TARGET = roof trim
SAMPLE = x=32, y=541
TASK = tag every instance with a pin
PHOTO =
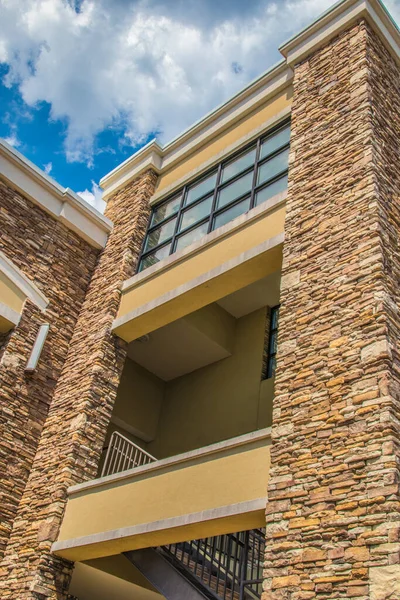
x=339, y=17
x=61, y=203
x=160, y=158
x=22, y=282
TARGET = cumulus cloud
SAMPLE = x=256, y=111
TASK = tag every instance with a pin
x=140, y=66
x=94, y=197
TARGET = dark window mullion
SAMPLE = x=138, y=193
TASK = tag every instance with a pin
x=273, y=154
x=253, y=187
x=214, y=202
x=178, y=219
x=232, y=203
x=270, y=180
x=190, y=227
x=161, y=224
x=156, y=248
x=236, y=177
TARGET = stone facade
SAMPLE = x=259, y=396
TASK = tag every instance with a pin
x=333, y=512
x=60, y=263
x=72, y=438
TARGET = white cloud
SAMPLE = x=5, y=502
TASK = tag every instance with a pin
x=13, y=140
x=94, y=197
x=48, y=168
x=135, y=68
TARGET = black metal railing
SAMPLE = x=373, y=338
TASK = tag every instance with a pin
x=228, y=566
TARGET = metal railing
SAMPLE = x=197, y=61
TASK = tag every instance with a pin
x=122, y=454
x=230, y=566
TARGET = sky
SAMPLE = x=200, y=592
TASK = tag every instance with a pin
x=85, y=83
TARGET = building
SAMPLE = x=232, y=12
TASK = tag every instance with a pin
x=154, y=442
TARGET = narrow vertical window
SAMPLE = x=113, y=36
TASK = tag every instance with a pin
x=272, y=344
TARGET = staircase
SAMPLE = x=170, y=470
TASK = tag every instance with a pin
x=227, y=567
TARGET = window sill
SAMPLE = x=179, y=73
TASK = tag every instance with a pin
x=215, y=236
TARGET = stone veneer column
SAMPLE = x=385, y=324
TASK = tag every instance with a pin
x=61, y=264
x=73, y=435
x=333, y=497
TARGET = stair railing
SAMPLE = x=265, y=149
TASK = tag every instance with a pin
x=123, y=454
x=230, y=566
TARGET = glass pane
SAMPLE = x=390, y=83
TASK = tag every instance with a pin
x=271, y=190
x=191, y=237
x=274, y=142
x=160, y=235
x=274, y=166
x=235, y=189
x=272, y=366
x=165, y=210
x=198, y=212
x=231, y=213
x=201, y=188
x=154, y=257
x=241, y=163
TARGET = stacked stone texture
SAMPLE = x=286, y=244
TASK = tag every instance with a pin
x=333, y=496
x=60, y=263
x=72, y=439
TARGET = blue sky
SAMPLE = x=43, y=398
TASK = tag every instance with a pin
x=84, y=83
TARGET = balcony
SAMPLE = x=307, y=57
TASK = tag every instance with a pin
x=206, y=492
x=187, y=452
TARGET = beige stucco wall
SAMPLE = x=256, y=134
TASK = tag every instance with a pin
x=204, y=483
x=267, y=225
x=140, y=396
x=219, y=401
x=229, y=136
x=10, y=294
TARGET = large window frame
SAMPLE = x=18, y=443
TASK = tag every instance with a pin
x=209, y=220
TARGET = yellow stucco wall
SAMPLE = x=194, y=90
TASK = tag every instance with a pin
x=140, y=396
x=214, y=403
x=267, y=226
x=205, y=483
x=10, y=294
x=219, y=401
x=229, y=136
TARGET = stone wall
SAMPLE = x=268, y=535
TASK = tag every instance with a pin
x=61, y=264
x=333, y=509
x=74, y=432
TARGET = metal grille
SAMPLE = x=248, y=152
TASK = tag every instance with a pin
x=230, y=566
x=122, y=454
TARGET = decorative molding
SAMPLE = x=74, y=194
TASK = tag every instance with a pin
x=330, y=24
x=161, y=158
x=179, y=459
x=221, y=512
x=37, y=347
x=62, y=203
x=338, y=18
x=208, y=240
x=22, y=282
x=9, y=315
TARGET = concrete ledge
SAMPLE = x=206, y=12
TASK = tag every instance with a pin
x=215, y=236
x=61, y=203
x=9, y=318
x=179, y=459
x=244, y=515
x=22, y=282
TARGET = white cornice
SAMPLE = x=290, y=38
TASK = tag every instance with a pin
x=160, y=158
x=341, y=16
x=61, y=203
x=338, y=18
x=22, y=282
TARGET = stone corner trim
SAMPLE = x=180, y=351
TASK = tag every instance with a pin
x=22, y=282
x=61, y=203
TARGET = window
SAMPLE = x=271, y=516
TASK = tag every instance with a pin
x=249, y=178
x=272, y=342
